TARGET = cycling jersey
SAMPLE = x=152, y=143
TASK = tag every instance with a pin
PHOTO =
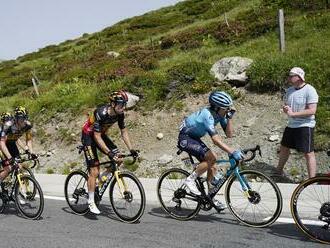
x=12, y=132
x=202, y=122
x=100, y=120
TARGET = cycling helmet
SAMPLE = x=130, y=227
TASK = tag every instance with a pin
x=220, y=99
x=119, y=97
x=20, y=112
x=6, y=116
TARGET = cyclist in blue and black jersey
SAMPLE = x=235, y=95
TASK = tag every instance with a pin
x=203, y=122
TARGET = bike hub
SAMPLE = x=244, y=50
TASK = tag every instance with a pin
x=180, y=193
x=128, y=196
x=325, y=210
x=255, y=197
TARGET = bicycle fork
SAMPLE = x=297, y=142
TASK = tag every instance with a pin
x=245, y=186
x=121, y=183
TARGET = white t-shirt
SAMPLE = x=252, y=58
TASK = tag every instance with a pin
x=298, y=99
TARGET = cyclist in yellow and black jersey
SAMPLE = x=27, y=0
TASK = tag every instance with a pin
x=11, y=129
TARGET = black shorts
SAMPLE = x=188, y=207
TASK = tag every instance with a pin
x=91, y=148
x=301, y=139
x=194, y=147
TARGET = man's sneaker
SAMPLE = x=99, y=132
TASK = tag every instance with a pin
x=190, y=183
x=93, y=208
x=21, y=202
x=219, y=205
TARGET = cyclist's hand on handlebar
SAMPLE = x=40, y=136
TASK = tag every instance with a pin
x=237, y=155
x=134, y=153
x=33, y=156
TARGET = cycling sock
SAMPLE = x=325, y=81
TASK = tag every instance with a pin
x=90, y=197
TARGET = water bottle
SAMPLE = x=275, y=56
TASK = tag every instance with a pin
x=218, y=178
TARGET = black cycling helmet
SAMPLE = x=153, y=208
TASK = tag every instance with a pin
x=6, y=116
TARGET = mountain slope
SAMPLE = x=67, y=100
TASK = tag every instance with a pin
x=175, y=44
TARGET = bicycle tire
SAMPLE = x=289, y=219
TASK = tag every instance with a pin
x=123, y=206
x=24, y=201
x=256, y=200
x=75, y=189
x=306, y=216
x=168, y=185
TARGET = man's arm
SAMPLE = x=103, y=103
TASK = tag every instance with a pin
x=308, y=111
x=126, y=139
x=217, y=141
x=101, y=142
x=229, y=128
x=4, y=148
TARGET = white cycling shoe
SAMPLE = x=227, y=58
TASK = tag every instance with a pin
x=93, y=208
x=190, y=183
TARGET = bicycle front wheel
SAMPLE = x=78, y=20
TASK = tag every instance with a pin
x=259, y=206
x=310, y=208
x=28, y=204
x=127, y=197
x=173, y=196
x=76, y=192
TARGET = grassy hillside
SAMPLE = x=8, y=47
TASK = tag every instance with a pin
x=178, y=43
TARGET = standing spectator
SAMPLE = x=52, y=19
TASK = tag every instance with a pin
x=300, y=106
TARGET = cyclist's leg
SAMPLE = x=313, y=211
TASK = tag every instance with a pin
x=198, y=149
x=93, y=170
x=14, y=152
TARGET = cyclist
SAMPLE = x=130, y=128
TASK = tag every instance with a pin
x=94, y=138
x=195, y=126
x=12, y=128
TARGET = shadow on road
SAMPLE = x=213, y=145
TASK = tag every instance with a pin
x=201, y=217
x=290, y=231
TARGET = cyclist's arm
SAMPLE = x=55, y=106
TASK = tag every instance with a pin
x=28, y=137
x=229, y=128
x=126, y=139
x=21, y=144
x=217, y=141
x=101, y=143
x=4, y=148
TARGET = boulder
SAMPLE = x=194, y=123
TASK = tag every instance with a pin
x=165, y=159
x=113, y=54
x=160, y=136
x=232, y=69
x=132, y=100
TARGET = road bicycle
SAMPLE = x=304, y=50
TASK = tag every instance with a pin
x=310, y=207
x=126, y=193
x=251, y=196
x=25, y=191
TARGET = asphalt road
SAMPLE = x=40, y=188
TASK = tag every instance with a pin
x=59, y=227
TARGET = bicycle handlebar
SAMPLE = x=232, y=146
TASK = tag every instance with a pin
x=253, y=151
x=22, y=160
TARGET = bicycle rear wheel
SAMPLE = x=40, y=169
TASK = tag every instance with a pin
x=310, y=208
x=172, y=195
x=261, y=206
x=29, y=205
x=127, y=197
x=76, y=192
